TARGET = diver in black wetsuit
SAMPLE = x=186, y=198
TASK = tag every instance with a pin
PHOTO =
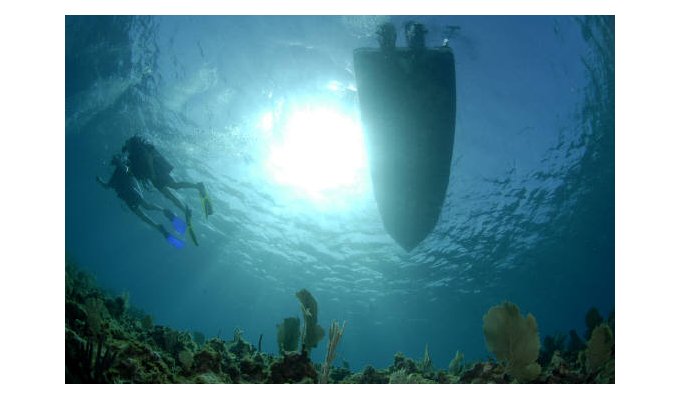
x=150, y=167
x=127, y=188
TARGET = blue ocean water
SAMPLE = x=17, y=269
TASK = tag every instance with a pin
x=264, y=111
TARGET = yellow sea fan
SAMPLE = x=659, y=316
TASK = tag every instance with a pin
x=600, y=346
x=513, y=339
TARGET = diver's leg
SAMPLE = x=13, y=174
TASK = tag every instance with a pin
x=188, y=185
x=145, y=218
x=155, y=207
x=205, y=200
x=187, y=212
x=150, y=206
x=171, y=196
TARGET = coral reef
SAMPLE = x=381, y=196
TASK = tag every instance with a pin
x=339, y=374
x=401, y=362
x=292, y=368
x=401, y=377
x=110, y=341
x=485, y=372
x=576, y=344
x=369, y=375
x=551, y=344
x=199, y=338
x=84, y=364
x=398, y=377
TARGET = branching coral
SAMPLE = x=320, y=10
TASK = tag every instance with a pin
x=88, y=361
x=456, y=364
x=398, y=377
x=334, y=335
x=426, y=363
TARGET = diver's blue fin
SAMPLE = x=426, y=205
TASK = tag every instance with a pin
x=179, y=225
x=175, y=242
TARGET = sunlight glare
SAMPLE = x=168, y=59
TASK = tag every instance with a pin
x=320, y=152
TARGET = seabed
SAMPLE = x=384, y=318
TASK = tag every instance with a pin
x=107, y=341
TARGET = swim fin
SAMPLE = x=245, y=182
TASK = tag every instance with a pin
x=192, y=235
x=206, y=203
x=190, y=228
x=177, y=223
x=175, y=242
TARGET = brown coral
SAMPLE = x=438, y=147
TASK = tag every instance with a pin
x=514, y=340
x=312, y=332
x=599, y=348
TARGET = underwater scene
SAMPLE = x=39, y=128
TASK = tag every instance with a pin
x=339, y=199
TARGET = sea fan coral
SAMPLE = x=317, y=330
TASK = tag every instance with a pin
x=288, y=334
x=312, y=332
x=514, y=340
x=600, y=347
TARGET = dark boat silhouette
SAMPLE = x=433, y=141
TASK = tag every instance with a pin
x=407, y=98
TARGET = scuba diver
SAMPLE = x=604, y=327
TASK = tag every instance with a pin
x=127, y=188
x=149, y=166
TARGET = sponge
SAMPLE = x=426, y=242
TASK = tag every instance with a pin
x=514, y=340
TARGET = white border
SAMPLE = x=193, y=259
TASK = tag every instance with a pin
x=334, y=7
x=33, y=175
